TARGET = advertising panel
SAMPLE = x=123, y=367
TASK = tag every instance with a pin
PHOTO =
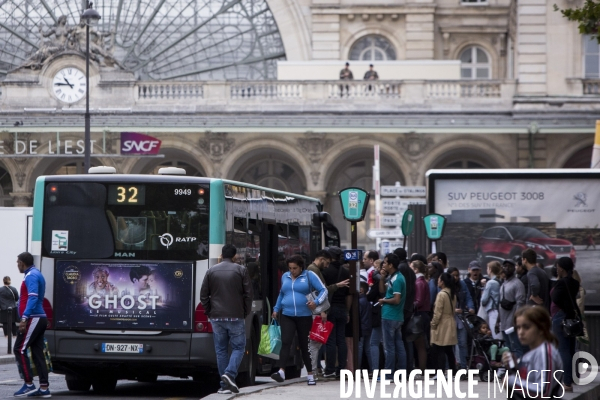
x=113, y=295
x=495, y=219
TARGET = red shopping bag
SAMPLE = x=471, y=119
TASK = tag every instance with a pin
x=320, y=331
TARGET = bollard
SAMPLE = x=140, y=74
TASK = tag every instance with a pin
x=10, y=322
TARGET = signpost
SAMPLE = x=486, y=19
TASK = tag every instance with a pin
x=408, y=224
x=354, y=206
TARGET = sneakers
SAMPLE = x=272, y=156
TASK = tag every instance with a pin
x=330, y=376
x=311, y=382
x=224, y=391
x=277, y=376
x=24, y=390
x=229, y=383
x=44, y=394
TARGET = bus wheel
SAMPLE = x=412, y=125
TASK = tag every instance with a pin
x=104, y=385
x=77, y=384
x=248, y=378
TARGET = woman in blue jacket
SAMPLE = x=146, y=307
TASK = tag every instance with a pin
x=295, y=312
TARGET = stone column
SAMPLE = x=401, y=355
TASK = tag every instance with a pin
x=21, y=199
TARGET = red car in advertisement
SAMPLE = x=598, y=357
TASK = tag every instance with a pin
x=502, y=242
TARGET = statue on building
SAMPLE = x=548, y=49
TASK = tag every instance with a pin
x=60, y=37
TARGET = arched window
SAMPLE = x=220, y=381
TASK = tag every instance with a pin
x=475, y=64
x=463, y=164
x=372, y=48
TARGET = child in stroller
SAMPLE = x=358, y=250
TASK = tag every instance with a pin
x=481, y=345
x=490, y=345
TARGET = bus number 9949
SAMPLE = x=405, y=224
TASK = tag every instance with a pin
x=183, y=192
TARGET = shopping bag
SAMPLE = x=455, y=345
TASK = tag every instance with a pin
x=320, y=331
x=270, y=340
x=29, y=359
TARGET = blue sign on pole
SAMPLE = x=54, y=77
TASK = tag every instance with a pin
x=353, y=255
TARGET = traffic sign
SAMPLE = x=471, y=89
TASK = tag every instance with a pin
x=417, y=191
x=390, y=220
x=408, y=223
x=384, y=233
x=402, y=203
x=352, y=255
x=354, y=203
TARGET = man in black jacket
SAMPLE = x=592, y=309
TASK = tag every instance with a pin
x=338, y=315
x=473, y=281
x=226, y=296
x=8, y=299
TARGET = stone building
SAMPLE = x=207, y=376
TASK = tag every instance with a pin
x=249, y=90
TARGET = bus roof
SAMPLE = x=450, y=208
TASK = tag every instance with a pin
x=163, y=178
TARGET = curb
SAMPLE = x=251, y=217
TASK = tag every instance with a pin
x=591, y=394
x=7, y=359
x=255, y=389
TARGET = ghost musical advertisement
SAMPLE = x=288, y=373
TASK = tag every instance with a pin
x=117, y=295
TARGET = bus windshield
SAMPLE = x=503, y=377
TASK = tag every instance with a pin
x=146, y=221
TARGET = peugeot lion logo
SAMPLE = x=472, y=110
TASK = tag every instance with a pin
x=581, y=198
x=166, y=239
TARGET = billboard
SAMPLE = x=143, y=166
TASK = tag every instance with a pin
x=497, y=217
x=121, y=295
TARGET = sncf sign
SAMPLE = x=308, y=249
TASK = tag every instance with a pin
x=138, y=143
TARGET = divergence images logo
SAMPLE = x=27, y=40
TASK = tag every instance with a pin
x=166, y=239
x=581, y=199
x=586, y=360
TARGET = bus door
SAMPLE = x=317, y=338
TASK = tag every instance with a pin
x=271, y=281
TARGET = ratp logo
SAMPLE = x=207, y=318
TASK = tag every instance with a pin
x=166, y=239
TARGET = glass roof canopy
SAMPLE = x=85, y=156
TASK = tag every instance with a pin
x=159, y=39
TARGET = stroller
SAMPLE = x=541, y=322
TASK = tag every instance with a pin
x=478, y=357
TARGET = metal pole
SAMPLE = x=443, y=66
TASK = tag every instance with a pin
x=354, y=289
x=86, y=163
x=377, y=188
x=10, y=323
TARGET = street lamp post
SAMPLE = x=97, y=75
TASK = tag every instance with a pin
x=91, y=17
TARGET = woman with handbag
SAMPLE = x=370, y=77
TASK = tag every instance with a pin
x=443, y=324
x=491, y=296
x=8, y=299
x=295, y=313
x=564, y=311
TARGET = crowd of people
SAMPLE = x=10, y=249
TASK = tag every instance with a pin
x=419, y=313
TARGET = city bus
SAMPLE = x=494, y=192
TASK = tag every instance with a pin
x=124, y=257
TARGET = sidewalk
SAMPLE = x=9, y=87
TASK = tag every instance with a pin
x=297, y=389
x=5, y=358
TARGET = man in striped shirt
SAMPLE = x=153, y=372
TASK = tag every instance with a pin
x=31, y=328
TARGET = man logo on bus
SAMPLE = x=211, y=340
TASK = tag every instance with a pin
x=166, y=239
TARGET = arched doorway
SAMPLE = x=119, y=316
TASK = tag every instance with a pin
x=6, y=187
x=173, y=158
x=357, y=170
x=272, y=171
x=581, y=159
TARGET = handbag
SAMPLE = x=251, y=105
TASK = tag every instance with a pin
x=573, y=327
x=506, y=304
x=270, y=338
x=414, y=328
x=312, y=296
x=319, y=332
x=29, y=360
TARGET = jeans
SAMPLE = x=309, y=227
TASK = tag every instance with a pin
x=376, y=339
x=512, y=342
x=395, y=354
x=463, y=349
x=366, y=338
x=227, y=333
x=338, y=316
x=566, y=347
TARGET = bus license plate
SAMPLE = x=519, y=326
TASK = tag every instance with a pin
x=122, y=348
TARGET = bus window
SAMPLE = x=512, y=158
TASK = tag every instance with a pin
x=253, y=258
x=75, y=224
